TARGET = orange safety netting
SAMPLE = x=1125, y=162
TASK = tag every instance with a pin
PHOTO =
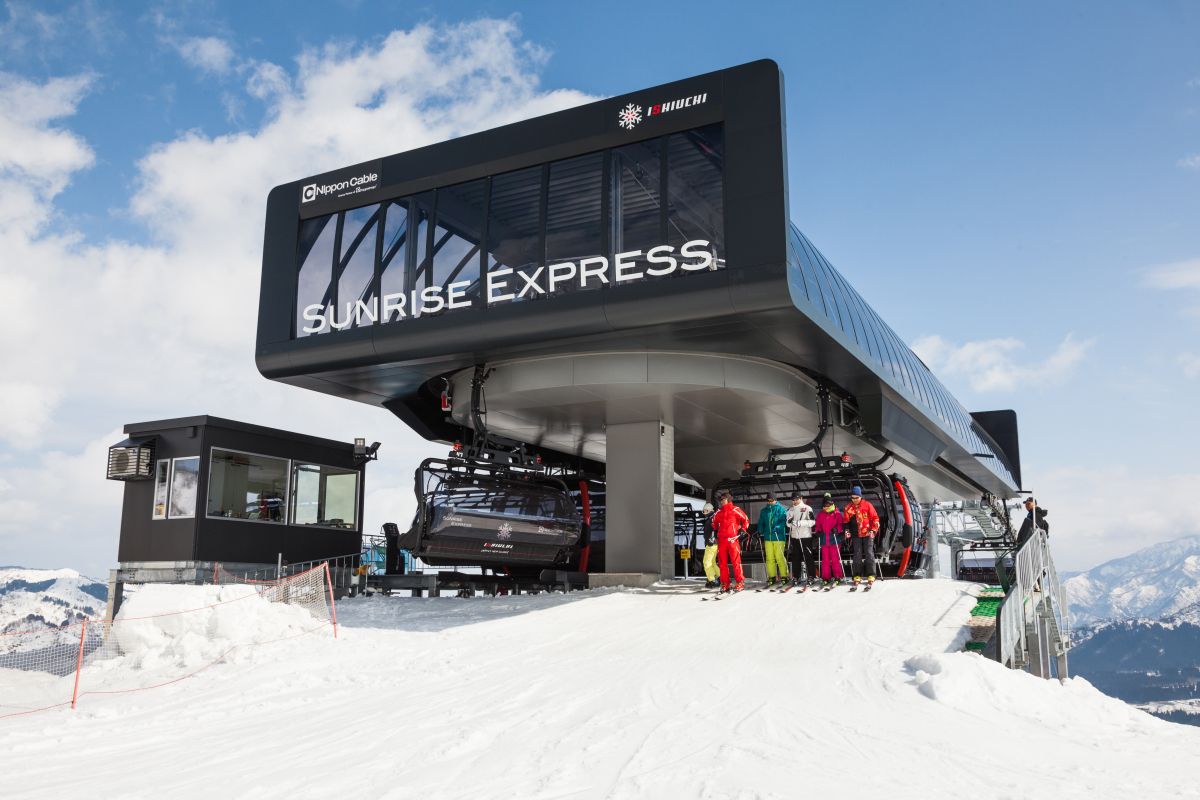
x=46, y=668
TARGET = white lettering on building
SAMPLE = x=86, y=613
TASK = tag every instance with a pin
x=506, y=285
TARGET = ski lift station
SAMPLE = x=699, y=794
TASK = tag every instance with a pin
x=609, y=296
x=594, y=311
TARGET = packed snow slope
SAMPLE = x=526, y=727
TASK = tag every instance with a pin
x=610, y=694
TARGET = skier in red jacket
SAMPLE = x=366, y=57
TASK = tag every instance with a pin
x=863, y=523
x=728, y=522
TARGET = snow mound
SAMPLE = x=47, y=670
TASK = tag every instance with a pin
x=163, y=627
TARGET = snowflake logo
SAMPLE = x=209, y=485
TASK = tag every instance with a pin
x=629, y=116
x=505, y=531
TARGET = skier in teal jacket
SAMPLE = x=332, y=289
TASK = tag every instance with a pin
x=772, y=527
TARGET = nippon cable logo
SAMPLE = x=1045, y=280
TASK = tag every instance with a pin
x=359, y=183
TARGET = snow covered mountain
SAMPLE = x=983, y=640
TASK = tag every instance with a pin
x=34, y=598
x=1152, y=583
x=599, y=694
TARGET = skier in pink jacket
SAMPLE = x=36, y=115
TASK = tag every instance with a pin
x=829, y=535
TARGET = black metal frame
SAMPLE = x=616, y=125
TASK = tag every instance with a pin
x=813, y=476
x=438, y=478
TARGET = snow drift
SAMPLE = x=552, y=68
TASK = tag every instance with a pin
x=621, y=694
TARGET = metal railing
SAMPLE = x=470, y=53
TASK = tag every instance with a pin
x=1032, y=621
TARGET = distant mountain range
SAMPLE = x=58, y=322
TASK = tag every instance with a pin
x=47, y=598
x=1153, y=583
x=1137, y=628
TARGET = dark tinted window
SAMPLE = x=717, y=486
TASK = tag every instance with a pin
x=395, y=250
x=457, y=234
x=316, y=266
x=574, y=212
x=695, y=196
x=515, y=229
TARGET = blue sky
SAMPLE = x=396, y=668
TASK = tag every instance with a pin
x=1015, y=187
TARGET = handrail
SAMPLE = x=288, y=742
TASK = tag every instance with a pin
x=1034, y=608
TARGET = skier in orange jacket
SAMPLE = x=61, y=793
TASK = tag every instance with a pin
x=728, y=522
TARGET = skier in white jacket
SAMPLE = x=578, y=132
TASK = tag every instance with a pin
x=803, y=544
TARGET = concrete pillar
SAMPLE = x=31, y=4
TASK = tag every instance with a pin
x=640, y=499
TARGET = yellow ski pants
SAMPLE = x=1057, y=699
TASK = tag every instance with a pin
x=776, y=563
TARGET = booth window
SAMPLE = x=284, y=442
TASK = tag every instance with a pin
x=247, y=486
x=324, y=496
x=185, y=478
x=574, y=210
x=162, y=473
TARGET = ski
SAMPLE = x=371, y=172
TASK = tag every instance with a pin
x=867, y=588
x=854, y=587
x=788, y=588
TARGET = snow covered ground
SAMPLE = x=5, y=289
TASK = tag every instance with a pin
x=610, y=694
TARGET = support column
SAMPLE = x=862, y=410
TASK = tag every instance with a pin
x=640, y=499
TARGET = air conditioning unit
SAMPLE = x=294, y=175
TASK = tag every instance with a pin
x=131, y=460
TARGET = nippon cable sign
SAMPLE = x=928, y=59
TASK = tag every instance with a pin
x=508, y=285
x=339, y=186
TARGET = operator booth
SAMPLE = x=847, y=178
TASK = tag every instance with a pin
x=204, y=490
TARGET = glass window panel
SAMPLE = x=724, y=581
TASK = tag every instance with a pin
x=324, y=496
x=637, y=199
x=514, y=229
x=794, y=262
x=162, y=472
x=810, y=279
x=832, y=300
x=822, y=286
x=247, y=486
x=357, y=260
x=316, y=266
x=184, y=482
x=574, y=216
x=421, y=208
x=395, y=250
x=457, y=235
x=849, y=298
x=695, y=187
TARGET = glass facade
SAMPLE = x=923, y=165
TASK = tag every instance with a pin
x=247, y=486
x=518, y=236
x=325, y=496
x=185, y=474
x=839, y=305
x=162, y=474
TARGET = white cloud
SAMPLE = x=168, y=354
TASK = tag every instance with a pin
x=990, y=365
x=208, y=54
x=1190, y=364
x=1176, y=275
x=102, y=333
x=1189, y=162
x=1105, y=512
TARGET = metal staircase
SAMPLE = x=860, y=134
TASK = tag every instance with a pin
x=1032, y=628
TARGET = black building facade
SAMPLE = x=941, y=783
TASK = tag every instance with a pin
x=628, y=261
x=216, y=490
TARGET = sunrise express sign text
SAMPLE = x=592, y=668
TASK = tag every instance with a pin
x=505, y=285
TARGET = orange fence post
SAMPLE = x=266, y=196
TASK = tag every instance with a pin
x=332, y=607
x=79, y=662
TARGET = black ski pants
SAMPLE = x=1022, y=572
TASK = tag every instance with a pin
x=803, y=555
x=863, y=550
